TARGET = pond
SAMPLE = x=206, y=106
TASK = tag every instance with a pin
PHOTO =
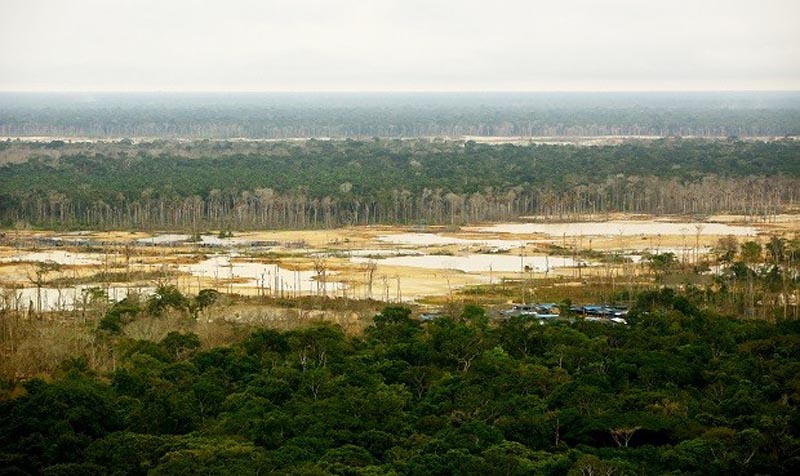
x=621, y=228
x=478, y=263
x=61, y=299
x=432, y=239
x=206, y=240
x=56, y=256
x=260, y=275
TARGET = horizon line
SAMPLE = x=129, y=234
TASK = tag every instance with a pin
x=383, y=91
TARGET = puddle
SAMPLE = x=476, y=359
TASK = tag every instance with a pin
x=210, y=240
x=478, y=263
x=73, y=237
x=685, y=255
x=163, y=239
x=379, y=253
x=207, y=240
x=260, y=275
x=621, y=228
x=60, y=299
x=432, y=239
x=57, y=256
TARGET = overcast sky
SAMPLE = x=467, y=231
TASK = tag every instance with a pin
x=405, y=45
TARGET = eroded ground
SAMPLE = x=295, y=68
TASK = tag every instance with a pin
x=49, y=270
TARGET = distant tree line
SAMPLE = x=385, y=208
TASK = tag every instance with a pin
x=281, y=121
x=331, y=183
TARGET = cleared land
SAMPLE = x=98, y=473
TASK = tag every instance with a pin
x=409, y=264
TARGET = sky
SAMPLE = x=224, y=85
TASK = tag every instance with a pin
x=399, y=45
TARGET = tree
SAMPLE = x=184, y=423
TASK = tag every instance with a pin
x=166, y=296
x=460, y=342
x=121, y=313
x=663, y=263
x=726, y=248
x=589, y=465
x=751, y=252
x=204, y=299
x=394, y=324
x=41, y=270
x=180, y=345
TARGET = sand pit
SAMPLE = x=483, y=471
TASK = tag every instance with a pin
x=395, y=262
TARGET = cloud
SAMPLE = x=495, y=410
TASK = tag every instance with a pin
x=399, y=45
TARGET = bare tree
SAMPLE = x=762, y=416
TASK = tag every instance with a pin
x=38, y=279
x=372, y=266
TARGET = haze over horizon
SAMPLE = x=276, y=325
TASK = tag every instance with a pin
x=411, y=45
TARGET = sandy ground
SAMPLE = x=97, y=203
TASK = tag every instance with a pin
x=306, y=250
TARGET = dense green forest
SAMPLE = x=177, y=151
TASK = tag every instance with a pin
x=363, y=115
x=679, y=391
x=241, y=185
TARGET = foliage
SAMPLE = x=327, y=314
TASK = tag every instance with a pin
x=341, y=115
x=120, y=313
x=325, y=183
x=680, y=391
x=166, y=297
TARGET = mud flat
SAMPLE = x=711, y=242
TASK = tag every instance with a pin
x=481, y=263
x=622, y=228
x=48, y=299
x=382, y=262
x=55, y=256
x=270, y=278
x=435, y=239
